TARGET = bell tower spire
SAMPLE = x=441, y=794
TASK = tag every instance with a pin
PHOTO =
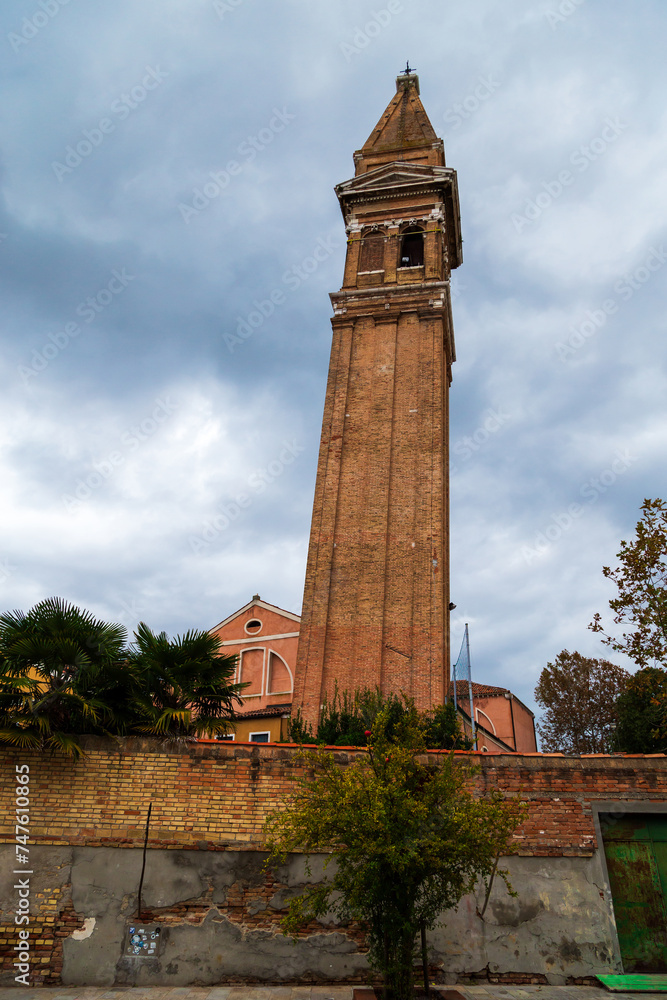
x=403, y=132
x=376, y=598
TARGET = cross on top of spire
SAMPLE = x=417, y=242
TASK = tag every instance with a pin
x=407, y=69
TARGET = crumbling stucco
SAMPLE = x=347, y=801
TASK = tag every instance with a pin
x=222, y=919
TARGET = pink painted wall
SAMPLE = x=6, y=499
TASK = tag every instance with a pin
x=495, y=713
x=266, y=654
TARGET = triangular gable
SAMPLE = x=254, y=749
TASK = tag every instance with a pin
x=258, y=603
x=395, y=174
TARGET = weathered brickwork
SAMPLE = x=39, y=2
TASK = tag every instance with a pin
x=211, y=800
x=376, y=596
x=205, y=795
x=216, y=796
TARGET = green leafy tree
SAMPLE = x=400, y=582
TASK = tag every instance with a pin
x=442, y=729
x=348, y=718
x=579, y=695
x=408, y=837
x=60, y=675
x=184, y=685
x=641, y=579
x=298, y=730
x=343, y=721
x=642, y=713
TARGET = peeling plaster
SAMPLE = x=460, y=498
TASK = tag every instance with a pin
x=561, y=924
x=86, y=930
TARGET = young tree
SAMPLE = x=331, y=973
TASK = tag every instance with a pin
x=409, y=839
x=642, y=713
x=580, y=695
x=58, y=665
x=641, y=580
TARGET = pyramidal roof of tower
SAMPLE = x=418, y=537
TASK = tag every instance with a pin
x=404, y=125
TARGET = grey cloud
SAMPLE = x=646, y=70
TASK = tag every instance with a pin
x=550, y=87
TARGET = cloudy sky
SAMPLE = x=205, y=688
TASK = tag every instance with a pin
x=167, y=167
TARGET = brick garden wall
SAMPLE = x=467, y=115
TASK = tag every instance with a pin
x=213, y=797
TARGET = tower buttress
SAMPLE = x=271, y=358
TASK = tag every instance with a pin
x=376, y=597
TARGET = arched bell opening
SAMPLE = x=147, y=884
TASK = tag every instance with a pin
x=412, y=248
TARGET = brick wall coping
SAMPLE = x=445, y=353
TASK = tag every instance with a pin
x=129, y=745
x=457, y=753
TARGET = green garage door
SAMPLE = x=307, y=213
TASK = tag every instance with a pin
x=635, y=846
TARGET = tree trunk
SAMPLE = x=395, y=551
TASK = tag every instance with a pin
x=422, y=927
x=398, y=975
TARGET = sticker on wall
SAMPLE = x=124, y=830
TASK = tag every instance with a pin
x=142, y=941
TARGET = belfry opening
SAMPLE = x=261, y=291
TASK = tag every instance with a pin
x=412, y=247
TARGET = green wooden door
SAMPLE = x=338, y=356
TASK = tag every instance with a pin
x=635, y=846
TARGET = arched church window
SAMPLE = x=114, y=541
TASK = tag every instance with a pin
x=279, y=675
x=251, y=671
x=372, y=250
x=412, y=248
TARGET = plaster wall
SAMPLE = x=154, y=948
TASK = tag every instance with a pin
x=219, y=914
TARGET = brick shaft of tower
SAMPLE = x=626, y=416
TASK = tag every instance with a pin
x=376, y=597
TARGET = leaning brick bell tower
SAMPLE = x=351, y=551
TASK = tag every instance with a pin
x=376, y=597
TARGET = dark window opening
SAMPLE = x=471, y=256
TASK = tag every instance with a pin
x=412, y=248
x=259, y=737
x=254, y=625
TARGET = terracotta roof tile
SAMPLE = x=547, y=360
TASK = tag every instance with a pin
x=269, y=711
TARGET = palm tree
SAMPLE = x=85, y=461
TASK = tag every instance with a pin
x=186, y=685
x=61, y=674
x=64, y=673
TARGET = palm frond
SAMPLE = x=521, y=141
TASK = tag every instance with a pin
x=65, y=743
x=26, y=739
